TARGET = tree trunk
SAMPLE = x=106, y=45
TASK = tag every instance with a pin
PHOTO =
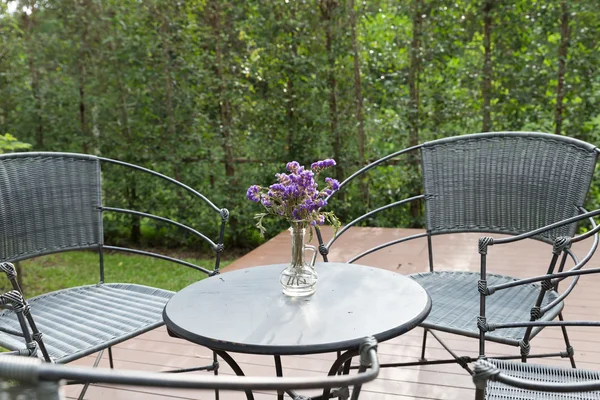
x=81, y=71
x=135, y=234
x=35, y=77
x=327, y=10
x=293, y=149
x=122, y=95
x=358, y=101
x=118, y=73
x=224, y=104
x=562, y=60
x=413, y=116
x=171, y=129
x=486, y=84
x=82, y=110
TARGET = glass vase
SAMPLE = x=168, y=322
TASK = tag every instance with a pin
x=299, y=278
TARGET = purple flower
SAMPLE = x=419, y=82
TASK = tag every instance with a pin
x=296, y=195
x=253, y=193
x=319, y=165
x=320, y=203
x=265, y=201
x=292, y=166
x=296, y=215
x=291, y=191
x=330, y=162
x=333, y=183
x=283, y=179
x=320, y=220
x=277, y=187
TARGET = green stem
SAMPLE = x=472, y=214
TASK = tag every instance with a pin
x=298, y=231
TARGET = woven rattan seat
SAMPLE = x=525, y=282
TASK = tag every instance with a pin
x=539, y=373
x=456, y=310
x=79, y=321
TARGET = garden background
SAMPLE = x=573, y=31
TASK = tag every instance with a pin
x=221, y=94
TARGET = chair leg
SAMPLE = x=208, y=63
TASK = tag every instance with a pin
x=424, y=345
x=87, y=384
x=479, y=394
x=462, y=361
x=567, y=342
x=110, y=358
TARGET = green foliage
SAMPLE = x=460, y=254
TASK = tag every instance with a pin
x=221, y=94
x=9, y=143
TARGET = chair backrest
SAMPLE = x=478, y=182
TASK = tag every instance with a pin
x=52, y=202
x=500, y=182
x=48, y=203
x=505, y=182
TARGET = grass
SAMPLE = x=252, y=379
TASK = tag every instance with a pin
x=63, y=270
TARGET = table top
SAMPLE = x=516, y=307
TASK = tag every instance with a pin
x=245, y=311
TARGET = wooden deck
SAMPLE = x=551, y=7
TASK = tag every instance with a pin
x=156, y=351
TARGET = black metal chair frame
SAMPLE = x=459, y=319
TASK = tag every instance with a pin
x=432, y=153
x=33, y=373
x=52, y=202
x=535, y=381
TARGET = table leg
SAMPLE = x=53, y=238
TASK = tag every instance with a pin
x=235, y=367
x=357, y=388
x=347, y=365
x=279, y=372
x=216, y=372
x=337, y=365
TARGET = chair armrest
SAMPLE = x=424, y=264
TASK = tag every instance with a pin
x=546, y=228
x=560, y=244
x=547, y=277
x=533, y=324
x=31, y=370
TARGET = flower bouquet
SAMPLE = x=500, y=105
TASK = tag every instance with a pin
x=297, y=198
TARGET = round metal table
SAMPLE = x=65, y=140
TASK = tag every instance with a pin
x=244, y=311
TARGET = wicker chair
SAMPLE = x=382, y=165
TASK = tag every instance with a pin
x=521, y=381
x=503, y=182
x=32, y=380
x=52, y=202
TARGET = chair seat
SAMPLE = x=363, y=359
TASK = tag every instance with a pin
x=455, y=304
x=79, y=321
x=539, y=373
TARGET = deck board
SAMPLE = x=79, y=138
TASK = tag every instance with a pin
x=157, y=351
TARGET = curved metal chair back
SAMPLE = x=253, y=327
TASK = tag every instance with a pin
x=52, y=202
x=499, y=182
x=48, y=204
x=505, y=182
